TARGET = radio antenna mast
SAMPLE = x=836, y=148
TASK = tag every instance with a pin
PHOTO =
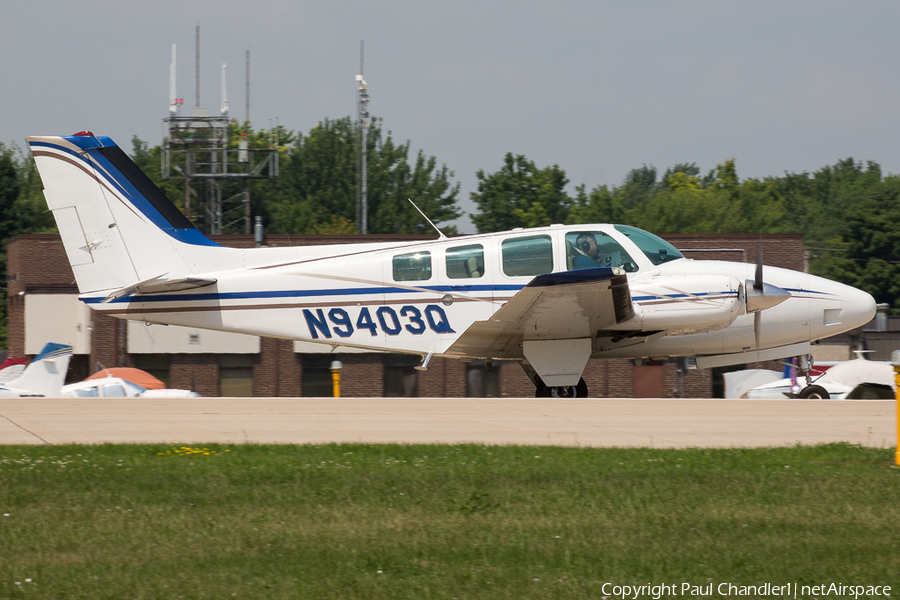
x=224, y=111
x=197, y=68
x=362, y=117
x=247, y=91
x=173, y=100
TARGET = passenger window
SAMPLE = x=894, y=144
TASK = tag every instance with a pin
x=113, y=390
x=592, y=249
x=531, y=255
x=465, y=262
x=412, y=267
x=91, y=392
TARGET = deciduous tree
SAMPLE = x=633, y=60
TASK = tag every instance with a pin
x=520, y=195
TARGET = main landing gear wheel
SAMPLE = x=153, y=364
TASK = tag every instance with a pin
x=576, y=391
x=813, y=392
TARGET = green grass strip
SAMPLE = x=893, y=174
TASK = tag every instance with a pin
x=435, y=521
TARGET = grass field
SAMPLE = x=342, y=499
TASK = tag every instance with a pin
x=421, y=521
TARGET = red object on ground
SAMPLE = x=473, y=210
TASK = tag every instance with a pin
x=142, y=378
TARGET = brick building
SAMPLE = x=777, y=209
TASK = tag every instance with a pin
x=42, y=306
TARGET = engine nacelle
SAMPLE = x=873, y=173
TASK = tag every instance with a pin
x=663, y=303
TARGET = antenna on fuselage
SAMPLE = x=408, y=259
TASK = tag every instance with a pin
x=440, y=233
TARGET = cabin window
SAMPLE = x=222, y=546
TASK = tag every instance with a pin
x=412, y=267
x=531, y=255
x=465, y=262
x=592, y=249
x=657, y=250
x=114, y=390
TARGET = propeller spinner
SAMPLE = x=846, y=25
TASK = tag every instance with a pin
x=760, y=295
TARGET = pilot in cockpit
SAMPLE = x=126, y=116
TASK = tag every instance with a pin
x=586, y=252
x=592, y=249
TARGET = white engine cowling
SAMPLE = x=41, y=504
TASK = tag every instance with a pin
x=685, y=304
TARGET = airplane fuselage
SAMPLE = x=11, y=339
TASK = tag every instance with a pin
x=420, y=296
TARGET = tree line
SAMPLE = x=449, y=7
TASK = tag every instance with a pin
x=847, y=212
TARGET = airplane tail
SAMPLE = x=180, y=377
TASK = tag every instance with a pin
x=119, y=230
x=46, y=374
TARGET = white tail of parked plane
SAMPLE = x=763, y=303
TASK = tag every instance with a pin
x=44, y=376
x=548, y=297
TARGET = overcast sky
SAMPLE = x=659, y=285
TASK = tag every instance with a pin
x=596, y=87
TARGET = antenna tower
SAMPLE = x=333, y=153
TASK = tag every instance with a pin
x=247, y=90
x=197, y=65
x=362, y=118
x=216, y=169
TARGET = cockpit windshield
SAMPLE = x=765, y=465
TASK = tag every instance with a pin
x=657, y=250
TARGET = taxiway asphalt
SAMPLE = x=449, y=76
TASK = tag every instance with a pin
x=674, y=423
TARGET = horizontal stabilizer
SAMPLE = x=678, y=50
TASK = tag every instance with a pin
x=157, y=285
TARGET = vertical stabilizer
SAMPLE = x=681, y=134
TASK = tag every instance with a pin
x=46, y=374
x=117, y=227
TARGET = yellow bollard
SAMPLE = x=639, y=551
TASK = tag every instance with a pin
x=895, y=362
x=336, y=377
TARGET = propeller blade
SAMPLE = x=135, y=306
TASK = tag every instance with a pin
x=758, y=282
x=757, y=323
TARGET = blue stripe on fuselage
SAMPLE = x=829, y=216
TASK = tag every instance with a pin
x=302, y=293
x=267, y=295
x=800, y=291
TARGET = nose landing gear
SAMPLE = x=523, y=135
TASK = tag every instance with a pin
x=810, y=391
x=813, y=392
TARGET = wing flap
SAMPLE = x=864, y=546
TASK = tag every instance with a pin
x=555, y=306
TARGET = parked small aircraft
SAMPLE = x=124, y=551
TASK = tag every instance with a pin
x=44, y=376
x=117, y=387
x=516, y=295
x=857, y=379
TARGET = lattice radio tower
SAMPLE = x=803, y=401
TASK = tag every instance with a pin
x=216, y=169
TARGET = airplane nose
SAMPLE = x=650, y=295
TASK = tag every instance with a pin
x=839, y=308
x=858, y=309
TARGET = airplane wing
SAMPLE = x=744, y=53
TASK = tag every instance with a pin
x=555, y=306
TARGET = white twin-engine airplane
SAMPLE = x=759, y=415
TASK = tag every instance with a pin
x=550, y=297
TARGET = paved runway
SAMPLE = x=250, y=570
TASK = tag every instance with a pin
x=584, y=422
